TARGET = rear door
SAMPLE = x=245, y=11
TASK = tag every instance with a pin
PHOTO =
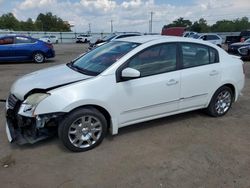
x=200, y=74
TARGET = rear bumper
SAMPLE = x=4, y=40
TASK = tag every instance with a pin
x=50, y=53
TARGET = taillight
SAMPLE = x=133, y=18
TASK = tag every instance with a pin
x=49, y=45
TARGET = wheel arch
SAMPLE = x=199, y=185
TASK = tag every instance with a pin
x=232, y=87
x=110, y=122
x=227, y=84
x=38, y=51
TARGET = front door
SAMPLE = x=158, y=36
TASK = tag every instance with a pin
x=156, y=92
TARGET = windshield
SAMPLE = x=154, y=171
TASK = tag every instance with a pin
x=196, y=36
x=99, y=59
x=247, y=41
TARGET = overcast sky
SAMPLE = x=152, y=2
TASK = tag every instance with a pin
x=127, y=15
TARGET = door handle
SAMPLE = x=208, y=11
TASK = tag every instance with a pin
x=213, y=73
x=172, y=82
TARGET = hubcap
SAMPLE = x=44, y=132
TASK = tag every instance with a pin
x=85, y=131
x=39, y=58
x=223, y=102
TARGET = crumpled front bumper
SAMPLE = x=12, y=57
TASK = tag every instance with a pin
x=28, y=130
x=27, y=133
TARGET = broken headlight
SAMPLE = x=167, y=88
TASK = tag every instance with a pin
x=29, y=105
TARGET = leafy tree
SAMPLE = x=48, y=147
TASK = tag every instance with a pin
x=231, y=25
x=180, y=22
x=200, y=26
x=44, y=22
x=28, y=25
x=8, y=21
x=50, y=22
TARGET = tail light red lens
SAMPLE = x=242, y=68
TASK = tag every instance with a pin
x=49, y=45
x=242, y=39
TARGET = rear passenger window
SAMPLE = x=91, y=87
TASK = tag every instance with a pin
x=23, y=40
x=214, y=58
x=6, y=41
x=196, y=55
x=212, y=37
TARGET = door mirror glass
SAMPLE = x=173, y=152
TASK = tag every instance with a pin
x=129, y=73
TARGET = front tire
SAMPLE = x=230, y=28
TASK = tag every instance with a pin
x=83, y=129
x=38, y=57
x=221, y=102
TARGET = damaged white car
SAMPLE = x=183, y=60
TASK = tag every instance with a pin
x=120, y=83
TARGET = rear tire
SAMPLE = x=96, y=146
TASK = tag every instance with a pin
x=221, y=102
x=83, y=129
x=38, y=57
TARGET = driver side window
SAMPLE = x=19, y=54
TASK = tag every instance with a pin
x=155, y=60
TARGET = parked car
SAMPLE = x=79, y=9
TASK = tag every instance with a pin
x=83, y=38
x=112, y=37
x=244, y=52
x=244, y=35
x=23, y=48
x=49, y=39
x=120, y=83
x=173, y=31
x=189, y=34
x=210, y=37
x=240, y=48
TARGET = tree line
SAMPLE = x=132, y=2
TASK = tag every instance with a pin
x=201, y=26
x=43, y=22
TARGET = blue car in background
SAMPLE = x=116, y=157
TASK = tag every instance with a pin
x=23, y=48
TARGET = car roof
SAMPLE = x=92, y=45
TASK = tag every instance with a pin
x=15, y=35
x=209, y=34
x=141, y=39
x=162, y=38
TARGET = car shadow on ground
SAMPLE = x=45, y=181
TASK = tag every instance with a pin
x=27, y=62
x=166, y=121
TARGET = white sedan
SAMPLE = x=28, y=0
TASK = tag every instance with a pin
x=121, y=83
x=210, y=37
x=49, y=39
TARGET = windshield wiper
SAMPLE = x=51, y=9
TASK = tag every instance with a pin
x=81, y=70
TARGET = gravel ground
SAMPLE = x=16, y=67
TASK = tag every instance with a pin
x=186, y=150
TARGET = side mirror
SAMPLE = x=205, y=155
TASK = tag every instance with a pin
x=129, y=73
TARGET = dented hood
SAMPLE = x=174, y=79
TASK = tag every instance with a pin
x=45, y=79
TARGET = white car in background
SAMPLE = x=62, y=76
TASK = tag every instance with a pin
x=83, y=38
x=111, y=37
x=49, y=39
x=120, y=83
x=210, y=37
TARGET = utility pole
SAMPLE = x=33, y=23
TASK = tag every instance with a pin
x=111, y=26
x=89, y=27
x=151, y=22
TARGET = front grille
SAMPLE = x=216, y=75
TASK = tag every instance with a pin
x=12, y=102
